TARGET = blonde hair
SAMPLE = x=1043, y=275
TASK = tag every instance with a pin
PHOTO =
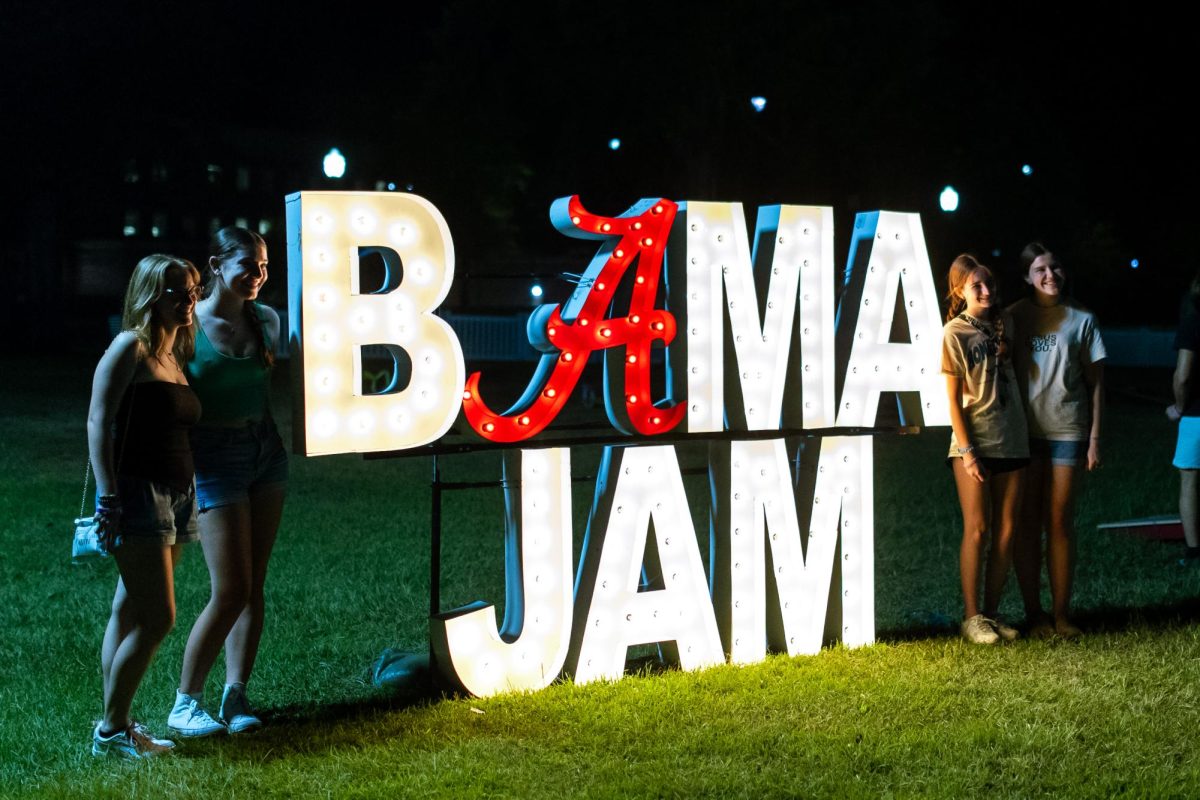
x=145, y=288
x=961, y=271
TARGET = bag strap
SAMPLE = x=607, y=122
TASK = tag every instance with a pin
x=87, y=473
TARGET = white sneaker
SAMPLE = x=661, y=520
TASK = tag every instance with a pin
x=978, y=630
x=189, y=719
x=235, y=710
x=133, y=742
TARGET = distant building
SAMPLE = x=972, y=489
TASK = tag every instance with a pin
x=90, y=215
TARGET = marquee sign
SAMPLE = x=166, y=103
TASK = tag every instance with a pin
x=752, y=345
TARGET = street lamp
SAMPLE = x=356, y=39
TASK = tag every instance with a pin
x=334, y=164
x=948, y=199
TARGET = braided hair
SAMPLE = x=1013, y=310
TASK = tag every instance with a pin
x=961, y=270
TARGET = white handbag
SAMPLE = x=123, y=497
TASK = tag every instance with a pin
x=87, y=545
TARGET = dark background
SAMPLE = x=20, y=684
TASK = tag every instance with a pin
x=132, y=128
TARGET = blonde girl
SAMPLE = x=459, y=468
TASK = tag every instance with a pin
x=145, y=487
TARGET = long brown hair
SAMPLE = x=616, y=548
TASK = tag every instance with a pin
x=227, y=242
x=145, y=288
x=961, y=270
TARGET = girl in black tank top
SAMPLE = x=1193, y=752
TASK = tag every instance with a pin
x=152, y=425
x=145, y=503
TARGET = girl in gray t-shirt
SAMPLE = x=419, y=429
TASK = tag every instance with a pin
x=1059, y=359
x=989, y=449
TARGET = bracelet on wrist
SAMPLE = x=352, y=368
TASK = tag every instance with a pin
x=962, y=451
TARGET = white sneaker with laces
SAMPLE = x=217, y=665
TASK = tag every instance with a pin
x=133, y=742
x=978, y=630
x=189, y=719
x=235, y=710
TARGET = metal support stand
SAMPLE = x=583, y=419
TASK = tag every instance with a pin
x=435, y=542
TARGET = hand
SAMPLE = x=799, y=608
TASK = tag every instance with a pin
x=1173, y=413
x=108, y=526
x=1093, y=455
x=975, y=469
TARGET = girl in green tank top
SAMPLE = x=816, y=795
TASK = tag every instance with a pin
x=232, y=389
x=241, y=480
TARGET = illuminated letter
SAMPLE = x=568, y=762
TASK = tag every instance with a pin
x=843, y=505
x=888, y=262
x=754, y=507
x=569, y=336
x=791, y=269
x=529, y=650
x=332, y=320
x=635, y=487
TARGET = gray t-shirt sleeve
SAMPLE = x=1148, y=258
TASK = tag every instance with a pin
x=1093, y=346
x=953, y=361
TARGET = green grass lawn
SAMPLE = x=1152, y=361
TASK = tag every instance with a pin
x=920, y=713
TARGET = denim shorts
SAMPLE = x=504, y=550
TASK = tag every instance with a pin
x=1058, y=453
x=1187, y=444
x=155, y=513
x=233, y=462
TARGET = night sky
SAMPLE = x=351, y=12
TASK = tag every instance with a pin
x=493, y=110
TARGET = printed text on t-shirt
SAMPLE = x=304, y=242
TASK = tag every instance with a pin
x=979, y=352
x=1043, y=344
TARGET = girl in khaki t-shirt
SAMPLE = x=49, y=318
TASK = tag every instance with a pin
x=989, y=449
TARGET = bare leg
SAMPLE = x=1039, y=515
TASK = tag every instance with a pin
x=1027, y=549
x=1060, y=543
x=120, y=622
x=241, y=645
x=973, y=499
x=1006, y=491
x=1189, y=506
x=147, y=576
x=225, y=534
